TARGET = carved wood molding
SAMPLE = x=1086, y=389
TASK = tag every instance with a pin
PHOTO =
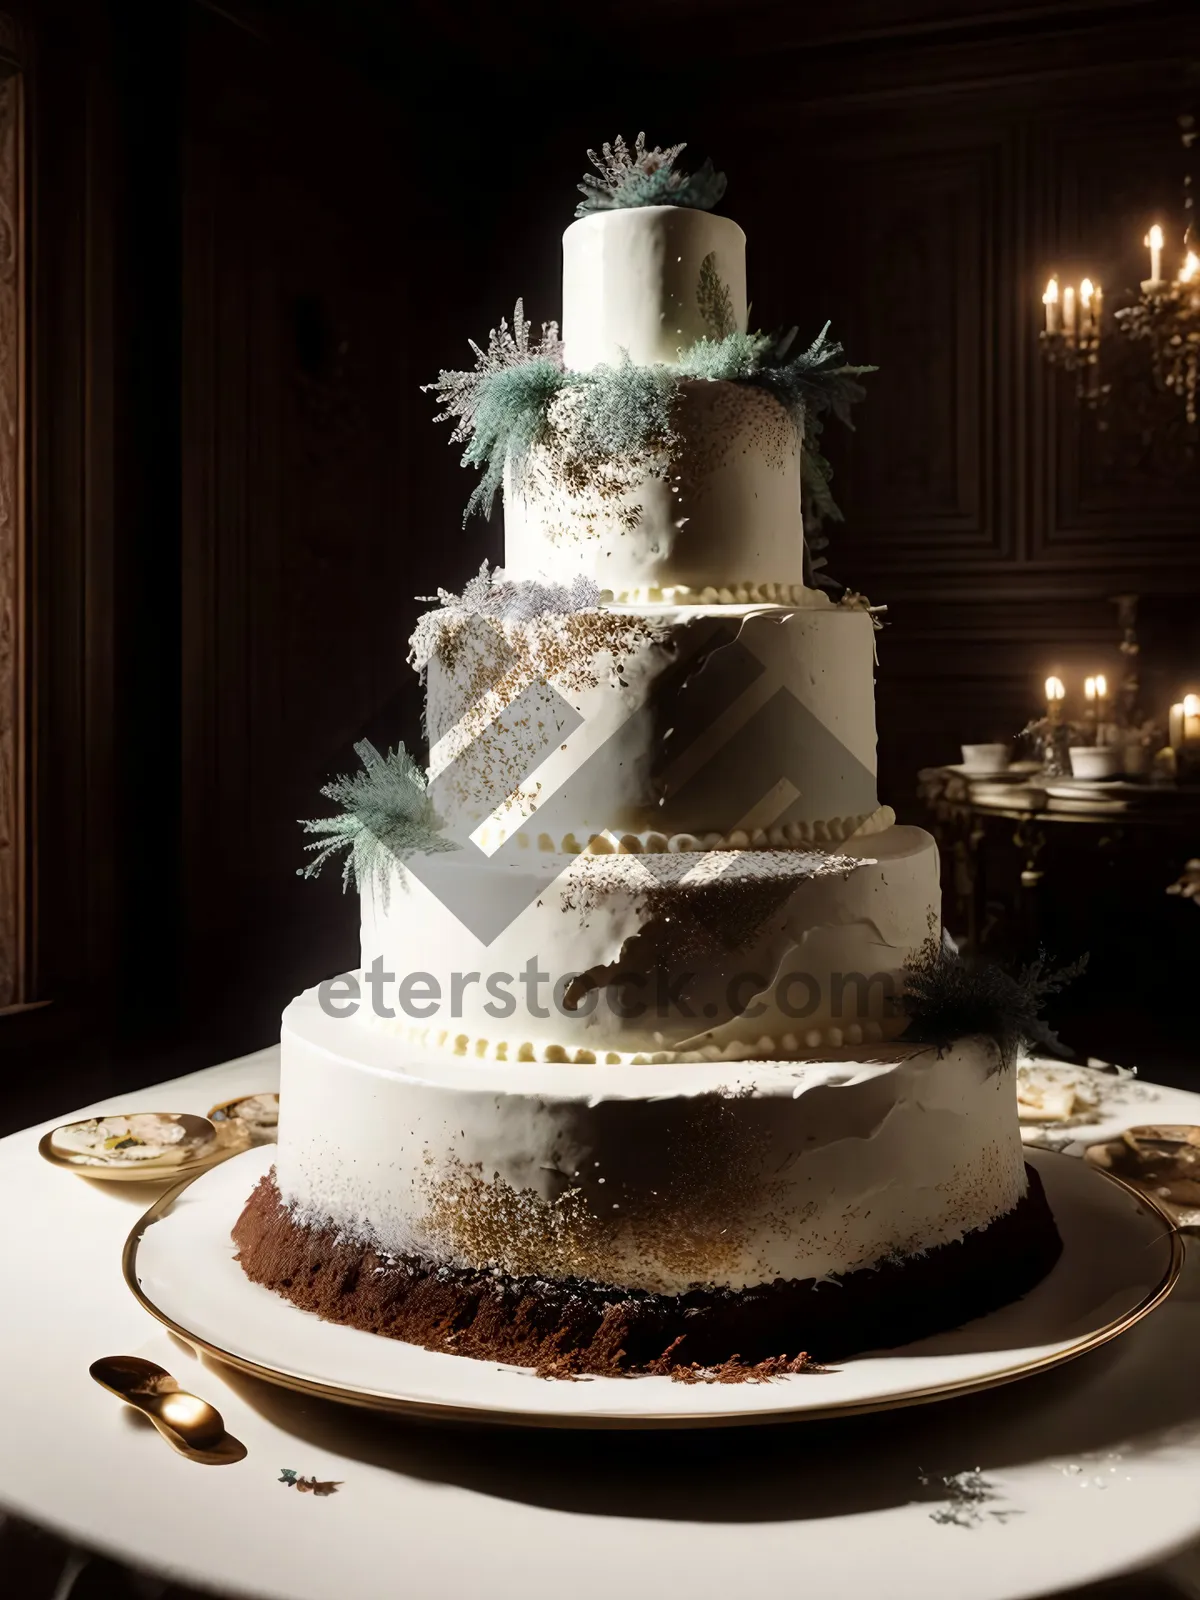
x=12, y=564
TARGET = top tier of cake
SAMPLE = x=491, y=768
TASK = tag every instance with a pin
x=714, y=516
x=629, y=283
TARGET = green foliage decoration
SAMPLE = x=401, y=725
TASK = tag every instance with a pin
x=714, y=299
x=609, y=428
x=613, y=426
x=385, y=815
x=626, y=178
x=948, y=996
x=810, y=385
x=509, y=420
x=623, y=411
x=499, y=406
x=735, y=358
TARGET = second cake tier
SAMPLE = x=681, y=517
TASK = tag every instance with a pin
x=655, y=720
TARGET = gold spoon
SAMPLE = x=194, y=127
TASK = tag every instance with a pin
x=188, y=1424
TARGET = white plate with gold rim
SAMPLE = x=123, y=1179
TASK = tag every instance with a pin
x=1121, y=1257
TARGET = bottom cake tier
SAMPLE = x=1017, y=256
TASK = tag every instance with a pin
x=569, y=1326
x=638, y=1217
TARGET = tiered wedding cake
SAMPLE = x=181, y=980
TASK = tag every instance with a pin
x=619, y=1085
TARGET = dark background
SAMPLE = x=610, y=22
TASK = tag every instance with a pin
x=253, y=231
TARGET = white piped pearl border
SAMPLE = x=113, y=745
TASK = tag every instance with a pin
x=734, y=594
x=787, y=1047
x=789, y=836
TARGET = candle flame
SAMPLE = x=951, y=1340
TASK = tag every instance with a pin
x=1191, y=705
x=1056, y=691
x=1101, y=686
x=1086, y=290
x=1089, y=688
x=1154, y=239
x=1050, y=298
x=1190, y=267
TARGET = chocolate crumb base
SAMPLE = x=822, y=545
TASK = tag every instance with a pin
x=564, y=1328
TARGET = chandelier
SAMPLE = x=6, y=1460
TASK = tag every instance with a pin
x=1165, y=316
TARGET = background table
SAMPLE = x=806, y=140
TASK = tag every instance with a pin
x=1068, y=868
x=1095, y=1468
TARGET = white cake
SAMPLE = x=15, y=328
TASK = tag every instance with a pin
x=619, y=1084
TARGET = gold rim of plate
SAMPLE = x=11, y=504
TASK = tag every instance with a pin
x=148, y=1171
x=369, y=1400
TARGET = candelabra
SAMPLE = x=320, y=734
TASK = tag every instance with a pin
x=1050, y=741
x=1129, y=690
x=1071, y=337
x=1049, y=735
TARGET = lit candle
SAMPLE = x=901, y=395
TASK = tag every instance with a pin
x=1068, y=310
x=1154, y=243
x=1089, y=688
x=1097, y=306
x=1190, y=267
x=1184, y=722
x=1086, y=291
x=1098, y=696
x=1050, y=301
x=1055, y=695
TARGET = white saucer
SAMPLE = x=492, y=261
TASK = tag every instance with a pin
x=1016, y=772
x=1121, y=1257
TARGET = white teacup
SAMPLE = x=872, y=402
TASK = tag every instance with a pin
x=1095, y=760
x=986, y=757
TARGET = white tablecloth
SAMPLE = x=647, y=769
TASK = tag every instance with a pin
x=1095, y=1468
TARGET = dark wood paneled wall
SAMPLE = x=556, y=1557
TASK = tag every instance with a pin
x=248, y=492
x=302, y=544
x=993, y=514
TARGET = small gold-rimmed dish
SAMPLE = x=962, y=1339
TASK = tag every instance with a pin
x=258, y=1112
x=1163, y=1161
x=142, y=1146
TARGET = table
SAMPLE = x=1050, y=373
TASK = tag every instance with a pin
x=1095, y=1467
x=1039, y=815
x=1067, y=869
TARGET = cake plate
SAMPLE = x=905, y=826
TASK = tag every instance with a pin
x=1121, y=1258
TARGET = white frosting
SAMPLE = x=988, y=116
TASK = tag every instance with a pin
x=658, y=1178
x=725, y=510
x=693, y=720
x=757, y=943
x=630, y=279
